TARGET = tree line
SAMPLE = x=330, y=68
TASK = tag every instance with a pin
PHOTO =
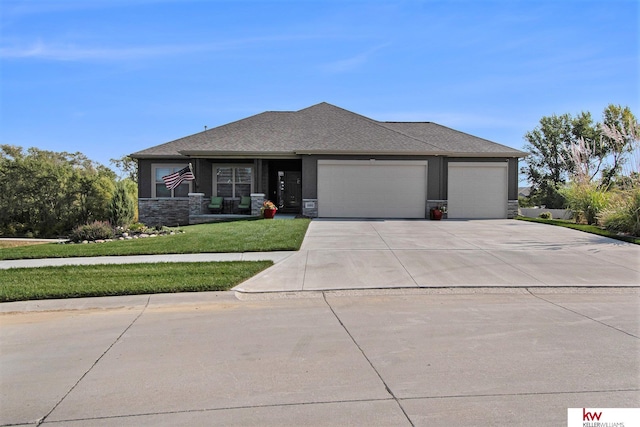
x=592, y=168
x=47, y=194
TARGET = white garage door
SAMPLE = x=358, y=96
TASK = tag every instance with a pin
x=477, y=190
x=371, y=189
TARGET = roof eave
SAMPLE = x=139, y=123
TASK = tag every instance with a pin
x=209, y=154
x=510, y=154
x=157, y=156
x=516, y=154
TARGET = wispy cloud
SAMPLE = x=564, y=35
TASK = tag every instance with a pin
x=353, y=62
x=76, y=52
x=73, y=52
x=18, y=8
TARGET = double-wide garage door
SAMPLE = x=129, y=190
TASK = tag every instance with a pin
x=372, y=189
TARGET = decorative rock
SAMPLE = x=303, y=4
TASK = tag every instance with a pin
x=84, y=242
x=125, y=234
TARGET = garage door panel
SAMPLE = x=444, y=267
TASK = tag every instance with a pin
x=477, y=190
x=361, y=189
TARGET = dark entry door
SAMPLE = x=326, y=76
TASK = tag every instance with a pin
x=290, y=191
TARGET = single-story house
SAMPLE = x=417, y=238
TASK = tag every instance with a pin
x=324, y=161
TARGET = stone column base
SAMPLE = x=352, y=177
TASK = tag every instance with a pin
x=310, y=208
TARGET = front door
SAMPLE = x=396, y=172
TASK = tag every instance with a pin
x=289, y=191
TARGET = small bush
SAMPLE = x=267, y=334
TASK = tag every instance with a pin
x=137, y=226
x=97, y=230
x=623, y=215
x=545, y=215
x=586, y=201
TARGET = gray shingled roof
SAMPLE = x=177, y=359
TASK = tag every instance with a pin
x=326, y=129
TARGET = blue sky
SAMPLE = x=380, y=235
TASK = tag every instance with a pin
x=110, y=77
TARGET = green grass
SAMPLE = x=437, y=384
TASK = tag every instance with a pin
x=583, y=227
x=238, y=236
x=20, y=284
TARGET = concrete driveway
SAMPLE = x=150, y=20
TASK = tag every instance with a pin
x=343, y=254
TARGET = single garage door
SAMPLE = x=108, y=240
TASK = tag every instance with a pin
x=477, y=190
x=372, y=189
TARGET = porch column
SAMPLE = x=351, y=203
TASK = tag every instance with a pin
x=257, y=199
x=195, y=203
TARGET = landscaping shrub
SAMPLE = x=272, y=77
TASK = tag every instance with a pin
x=137, y=227
x=121, y=207
x=623, y=214
x=545, y=215
x=97, y=230
x=586, y=200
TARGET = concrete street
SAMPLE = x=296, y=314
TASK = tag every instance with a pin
x=371, y=323
x=396, y=357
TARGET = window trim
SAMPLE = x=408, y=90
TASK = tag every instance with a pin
x=233, y=166
x=177, y=166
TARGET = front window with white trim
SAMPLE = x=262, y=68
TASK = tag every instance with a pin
x=232, y=181
x=160, y=189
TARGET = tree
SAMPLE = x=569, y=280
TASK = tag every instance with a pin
x=548, y=163
x=47, y=193
x=563, y=147
x=620, y=131
x=127, y=166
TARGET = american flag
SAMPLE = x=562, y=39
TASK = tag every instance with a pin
x=176, y=178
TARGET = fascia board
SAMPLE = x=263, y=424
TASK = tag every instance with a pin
x=239, y=154
x=411, y=153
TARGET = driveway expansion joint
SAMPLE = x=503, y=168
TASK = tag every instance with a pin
x=386, y=386
x=43, y=419
x=582, y=315
x=540, y=393
x=224, y=408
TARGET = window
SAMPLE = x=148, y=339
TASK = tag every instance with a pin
x=232, y=181
x=159, y=187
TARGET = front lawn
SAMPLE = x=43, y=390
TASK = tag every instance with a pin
x=20, y=284
x=238, y=236
x=583, y=227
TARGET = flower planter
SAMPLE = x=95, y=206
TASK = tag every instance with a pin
x=269, y=213
x=435, y=214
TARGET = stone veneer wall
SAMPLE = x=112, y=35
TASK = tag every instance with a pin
x=257, y=200
x=163, y=211
x=512, y=209
x=310, y=208
x=196, y=204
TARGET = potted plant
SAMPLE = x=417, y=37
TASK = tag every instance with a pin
x=268, y=209
x=437, y=212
